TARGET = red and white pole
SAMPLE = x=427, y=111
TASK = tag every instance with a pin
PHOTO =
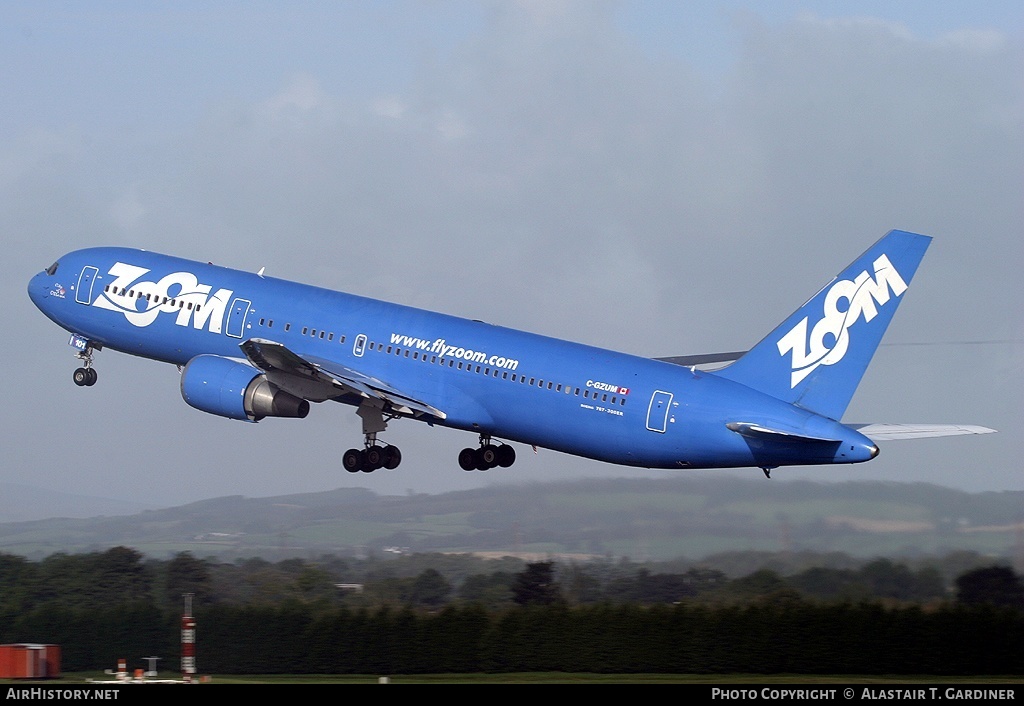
x=188, y=641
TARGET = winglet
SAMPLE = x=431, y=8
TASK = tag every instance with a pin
x=817, y=356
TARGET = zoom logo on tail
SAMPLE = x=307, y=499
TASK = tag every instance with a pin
x=845, y=303
x=844, y=321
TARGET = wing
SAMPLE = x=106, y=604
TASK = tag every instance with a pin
x=892, y=432
x=319, y=379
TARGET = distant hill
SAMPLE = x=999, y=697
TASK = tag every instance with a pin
x=19, y=503
x=645, y=520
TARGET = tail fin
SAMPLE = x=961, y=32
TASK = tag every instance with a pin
x=817, y=357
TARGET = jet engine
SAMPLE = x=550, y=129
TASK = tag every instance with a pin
x=237, y=390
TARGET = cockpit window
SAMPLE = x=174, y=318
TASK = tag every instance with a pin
x=52, y=269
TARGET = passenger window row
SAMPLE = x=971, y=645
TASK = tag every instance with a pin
x=139, y=294
x=463, y=365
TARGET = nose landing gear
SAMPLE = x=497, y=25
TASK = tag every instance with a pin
x=86, y=375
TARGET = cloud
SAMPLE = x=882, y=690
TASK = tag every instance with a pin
x=300, y=97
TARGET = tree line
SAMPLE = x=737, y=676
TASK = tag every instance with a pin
x=333, y=616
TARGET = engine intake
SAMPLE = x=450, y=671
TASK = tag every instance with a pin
x=236, y=390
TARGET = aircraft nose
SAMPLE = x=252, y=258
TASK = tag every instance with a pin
x=39, y=289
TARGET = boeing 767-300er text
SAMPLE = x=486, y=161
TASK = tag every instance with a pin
x=251, y=346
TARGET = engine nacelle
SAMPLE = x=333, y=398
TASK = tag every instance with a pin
x=236, y=390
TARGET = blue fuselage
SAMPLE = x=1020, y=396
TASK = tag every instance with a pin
x=487, y=379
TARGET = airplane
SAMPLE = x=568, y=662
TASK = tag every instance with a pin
x=250, y=346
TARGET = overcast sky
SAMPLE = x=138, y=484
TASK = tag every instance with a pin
x=662, y=178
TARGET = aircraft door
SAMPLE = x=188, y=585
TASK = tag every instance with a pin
x=83, y=292
x=236, y=317
x=657, y=412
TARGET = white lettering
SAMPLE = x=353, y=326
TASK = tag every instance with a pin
x=845, y=303
x=980, y=694
x=178, y=293
x=608, y=387
x=737, y=694
x=441, y=348
x=801, y=694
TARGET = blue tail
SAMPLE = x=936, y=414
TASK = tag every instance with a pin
x=817, y=357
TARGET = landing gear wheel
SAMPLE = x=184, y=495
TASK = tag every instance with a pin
x=85, y=377
x=392, y=457
x=481, y=464
x=467, y=459
x=352, y=460
x=488, y=457
x=506, y=455
x=374, y=459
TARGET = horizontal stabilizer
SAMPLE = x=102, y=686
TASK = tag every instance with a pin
x=756, y=431
x=892, y=432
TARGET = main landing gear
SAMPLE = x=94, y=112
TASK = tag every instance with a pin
x=372, y=457
x=487, y=456
x=86, y=375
